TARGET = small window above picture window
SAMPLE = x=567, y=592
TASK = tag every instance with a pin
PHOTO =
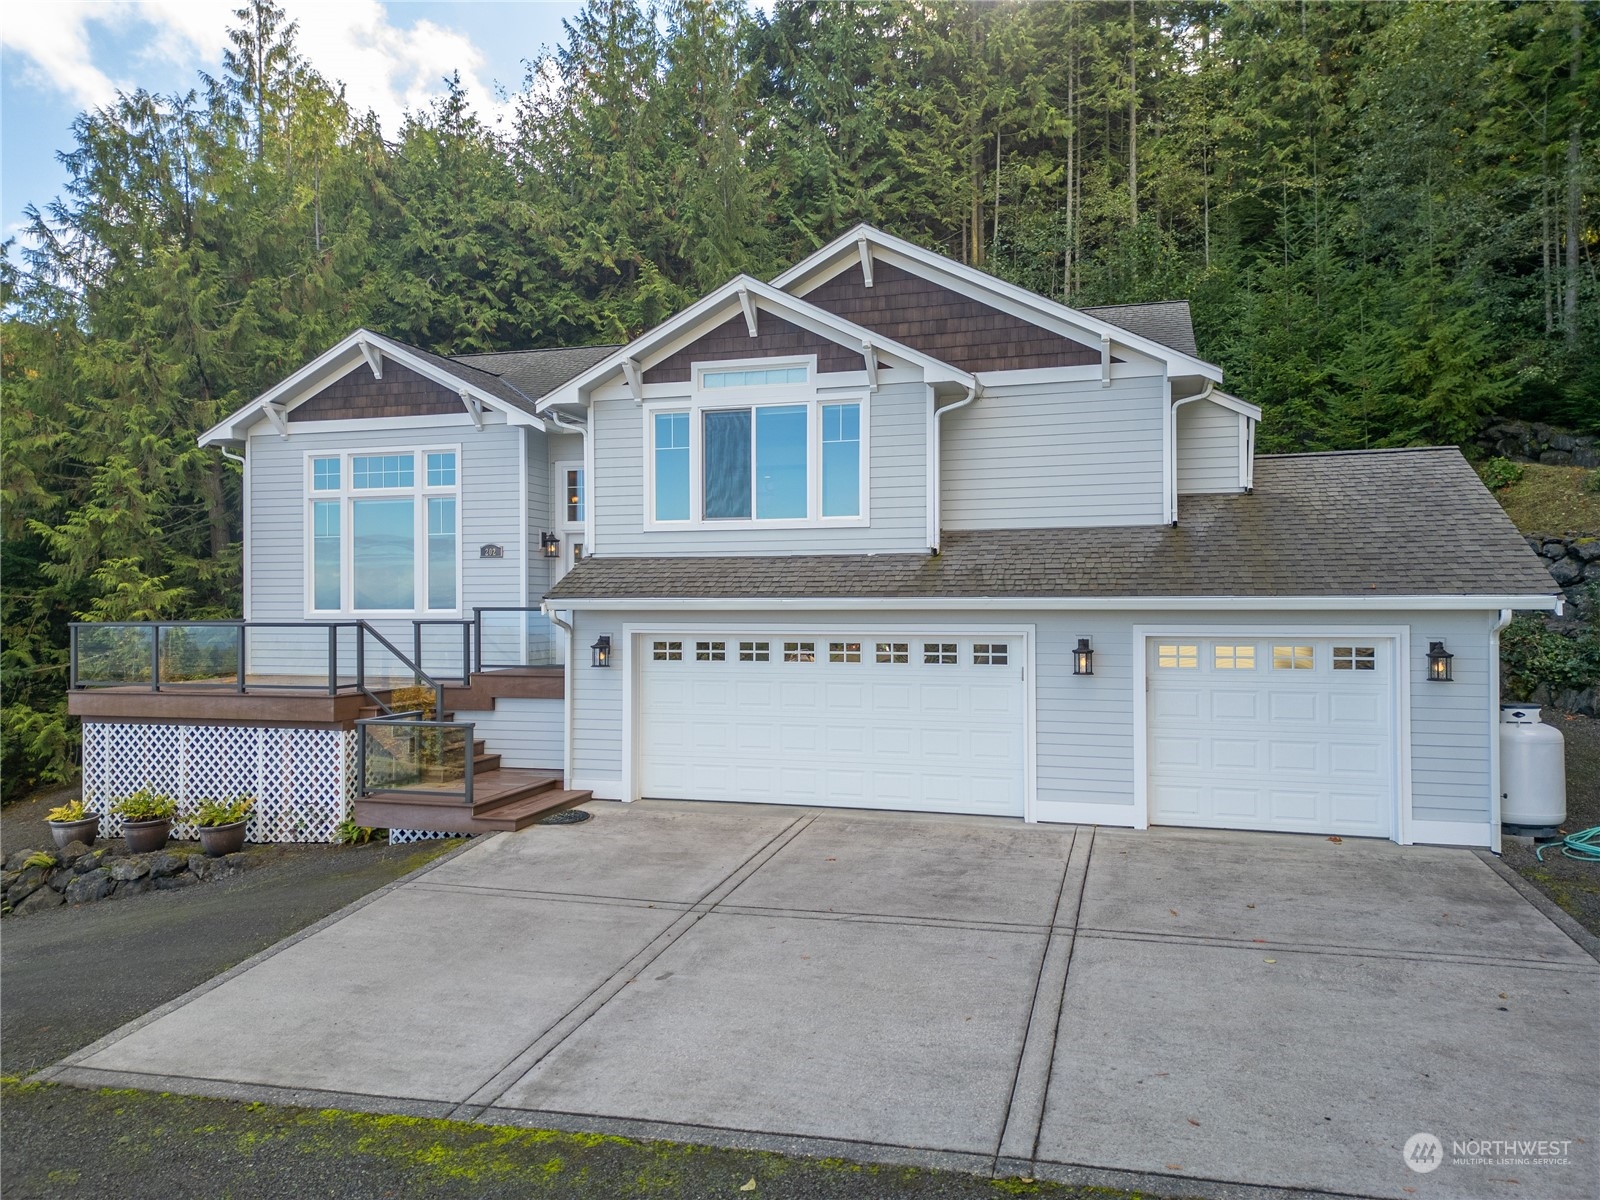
x=1293, y=658
x=325, y=474
x=753, y=377
x=939, y=653
x=1177, y=656
x=383, y=471
x=442, y=470
x=1355, y=658
x=1233, y=658
x=893, y=652
x=710, y=651
x=754, y=651
x=667, y=652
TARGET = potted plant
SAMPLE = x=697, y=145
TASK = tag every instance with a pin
x=73, y=823
x=146, y=819
x=221, y=824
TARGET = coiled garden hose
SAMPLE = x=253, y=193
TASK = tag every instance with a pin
x=1583, y=845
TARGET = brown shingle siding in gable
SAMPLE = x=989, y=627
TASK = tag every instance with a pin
x=400, y=393
x=776, y=338
x=945, y=324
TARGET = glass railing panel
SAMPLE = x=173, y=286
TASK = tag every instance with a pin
x=446, y=648
x=200, y=654
x=414, y=756
x=115, y=654
x=518, y=637
x=288, y=655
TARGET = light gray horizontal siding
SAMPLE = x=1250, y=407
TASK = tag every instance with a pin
x=1055, y=455
x=525, y=733
x=897, y=475
x=1208, y=448
x=1085, y=725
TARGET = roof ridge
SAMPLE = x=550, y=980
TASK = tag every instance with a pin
x=537, y=350
x=1131, y=304
x=1373, y=450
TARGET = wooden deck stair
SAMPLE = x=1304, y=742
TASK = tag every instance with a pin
x=503, y=799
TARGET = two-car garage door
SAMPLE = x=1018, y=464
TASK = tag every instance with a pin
x=1285, y=732
x=933, y=722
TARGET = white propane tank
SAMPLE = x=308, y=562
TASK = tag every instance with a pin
x=1533, y=771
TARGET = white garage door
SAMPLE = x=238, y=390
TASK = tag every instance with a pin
x=931, y=722
x=1282, y=733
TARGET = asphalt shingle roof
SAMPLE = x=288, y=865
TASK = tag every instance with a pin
x=1165, y=321
x=1361, y=523
x=535, y=373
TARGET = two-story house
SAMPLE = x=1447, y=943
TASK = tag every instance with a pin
x=890, y=533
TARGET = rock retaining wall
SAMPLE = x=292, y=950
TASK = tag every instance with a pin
x=78, y=874
x=1532, y=441
x=1574, y=563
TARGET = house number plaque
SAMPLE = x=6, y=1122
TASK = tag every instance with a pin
x=491, y=551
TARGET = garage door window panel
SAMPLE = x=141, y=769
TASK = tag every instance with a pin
x=1233, y=657
x=939, y=654
x=990, y=654
x=710, y=651
x=1293, y=658
x=667, y=651
x=1177, y=656
x=893, y=653
x=799, y=652
x=844, y=652
x=1355, y=658
x=754, y=651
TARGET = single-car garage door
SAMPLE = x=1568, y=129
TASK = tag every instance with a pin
x=1282, y=733
x=929, y=722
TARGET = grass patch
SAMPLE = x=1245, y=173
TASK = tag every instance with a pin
x=1552, y=500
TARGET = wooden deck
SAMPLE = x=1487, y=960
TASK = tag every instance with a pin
x=504, y=800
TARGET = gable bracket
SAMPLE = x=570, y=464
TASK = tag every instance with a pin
x=869, y=355
x=374, y=358
x=474, y=410
x=866, y=260
x=1105, y=360
x=748, y=304
x=635, y=377
x=277, y=415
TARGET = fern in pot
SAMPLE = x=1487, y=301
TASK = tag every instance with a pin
x=221, y=825
x=146, y=819
x=73, y=823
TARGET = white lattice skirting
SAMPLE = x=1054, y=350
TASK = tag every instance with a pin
x=303, y=780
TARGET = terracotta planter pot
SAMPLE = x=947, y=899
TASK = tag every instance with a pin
x=145, y=836
x=67, y=832
x=217, y=840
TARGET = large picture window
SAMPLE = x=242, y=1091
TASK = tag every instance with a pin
x=384, y=532
x=789, y=459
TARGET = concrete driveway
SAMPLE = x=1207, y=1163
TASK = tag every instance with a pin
x=1173, y=1010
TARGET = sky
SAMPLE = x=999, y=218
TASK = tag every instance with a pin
x=60, y=57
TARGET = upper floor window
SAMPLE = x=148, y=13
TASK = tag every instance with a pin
x=763, y=377
x=572, y=496
x=799, y=460
x=389, y=540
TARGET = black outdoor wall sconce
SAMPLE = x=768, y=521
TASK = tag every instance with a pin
x=1439, y=663
x=1083, y=658
x=601, y=651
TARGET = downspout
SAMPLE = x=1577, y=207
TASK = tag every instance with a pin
x=1496, y=797
x=566, y=700
x=933, y=468
x=581, y=428
x=1172, y=417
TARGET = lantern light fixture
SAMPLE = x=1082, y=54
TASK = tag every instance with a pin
x=1083, y=658
x=601, y=651
x=1439, y=670
x=550, y=544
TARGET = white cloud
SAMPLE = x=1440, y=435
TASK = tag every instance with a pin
x=385, y=67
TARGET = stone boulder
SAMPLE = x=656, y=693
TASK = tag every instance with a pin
x=94, y=885
x=42, y=899
x=124, y=870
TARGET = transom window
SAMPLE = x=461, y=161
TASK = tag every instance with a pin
x=1355, y=658
x=799, y=652
x=1293, y=658
x=383, y=532
x=1233, y=658
x=667, y=651
x=754, y=652
x=752, y=378
x=939, y=653
x=710, y=651
x=893, y=652
x=989, y=654
x=844, y=652
x=1176, y=656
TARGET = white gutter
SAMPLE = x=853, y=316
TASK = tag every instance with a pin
x=566, y=699
x=1068, y=603
x=1496, y=795
x=934, y=482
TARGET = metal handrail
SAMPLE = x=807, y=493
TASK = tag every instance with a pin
x=422, y=677
x=411, y=720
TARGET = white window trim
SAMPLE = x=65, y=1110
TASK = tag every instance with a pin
x=559, y=480
x=419, y=491
x=813, y=395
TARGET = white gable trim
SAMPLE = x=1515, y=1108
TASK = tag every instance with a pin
x=363, y=347
x=842, y=253
x=747, y=296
